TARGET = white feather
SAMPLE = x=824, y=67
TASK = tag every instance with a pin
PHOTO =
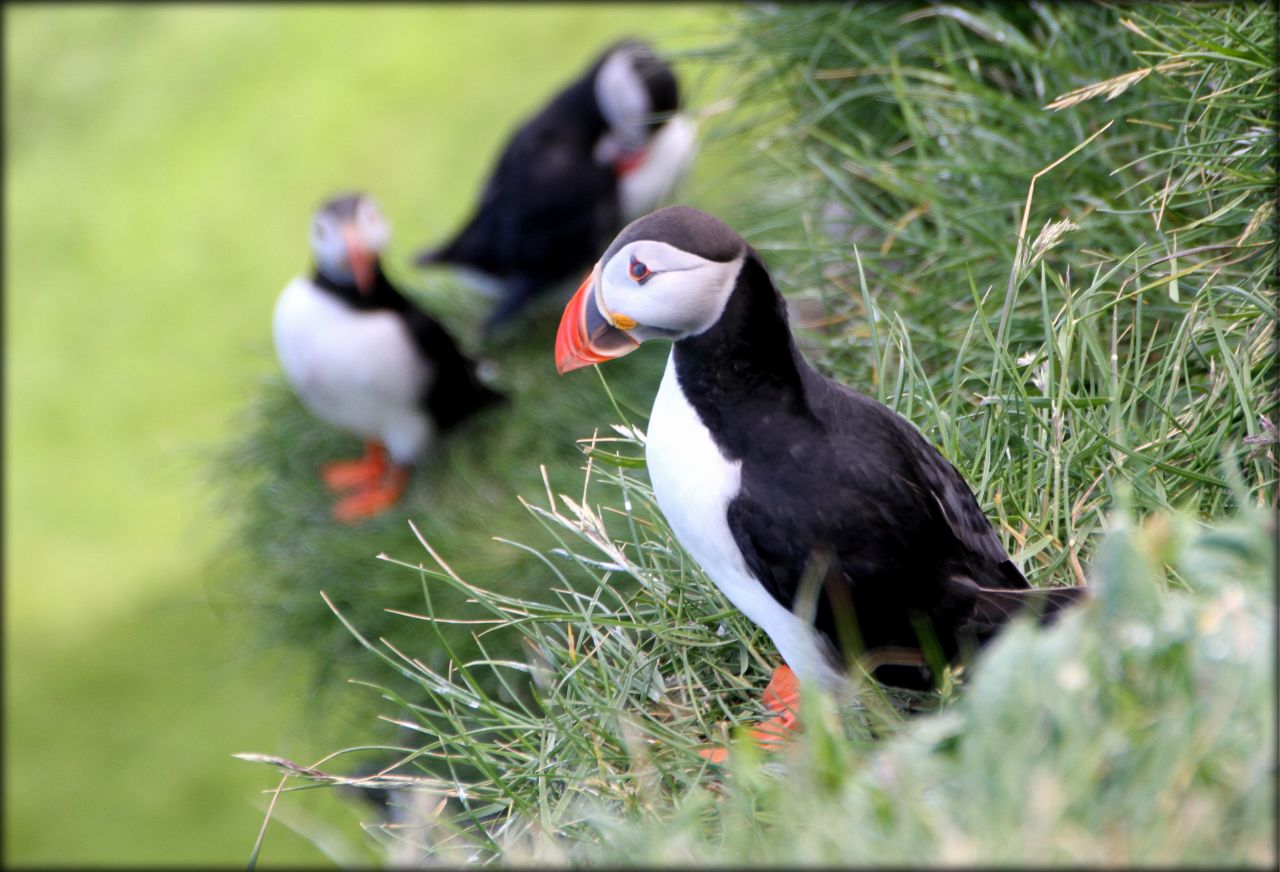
x=694, y=484
x=622, y=97
x=358, y=371
x=665, y=164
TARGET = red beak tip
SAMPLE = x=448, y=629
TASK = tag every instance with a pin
x=565, y=365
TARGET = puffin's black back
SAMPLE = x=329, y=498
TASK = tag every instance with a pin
x=548, y=207
x=838, y=488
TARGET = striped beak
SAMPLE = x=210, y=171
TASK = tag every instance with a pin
x=588, y=332
x=363, y=261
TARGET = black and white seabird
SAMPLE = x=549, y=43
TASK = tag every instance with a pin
x=364, y=358
x=772, y=474
x=606, y=149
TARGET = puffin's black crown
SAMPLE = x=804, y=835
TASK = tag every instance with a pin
x=687, y=229
x=342, y=205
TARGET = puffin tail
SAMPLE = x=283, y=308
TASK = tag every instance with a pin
x=431, y=256
x=458, y=250
x=992, y=608
x=470, y=246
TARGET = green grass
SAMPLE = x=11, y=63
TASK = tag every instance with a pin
x=1127, y=733
x=1108, y=385
x=161, y=166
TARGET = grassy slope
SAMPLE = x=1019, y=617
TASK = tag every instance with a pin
x=1123, y=373
x=160, y=164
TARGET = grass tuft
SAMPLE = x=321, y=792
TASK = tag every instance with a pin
x=1127, y=732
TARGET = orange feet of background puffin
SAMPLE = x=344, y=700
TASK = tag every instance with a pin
x=369, y=486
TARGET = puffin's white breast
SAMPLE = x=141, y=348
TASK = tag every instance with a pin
x=356, y=370
x=694, y=484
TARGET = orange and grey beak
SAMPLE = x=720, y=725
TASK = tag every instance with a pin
x=629, y=161
x=363, y=261
x=588, y=332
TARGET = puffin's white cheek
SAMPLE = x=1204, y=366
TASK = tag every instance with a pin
x=619, y=297
x=667, y=312
x=378, y=236
x=620, y=94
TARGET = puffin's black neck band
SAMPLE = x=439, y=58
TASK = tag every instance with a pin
x=382, y=296
x=747, y=363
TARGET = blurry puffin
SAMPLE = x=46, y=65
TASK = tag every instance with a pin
x=364, y=358
x=606, y=149
x=774, y=477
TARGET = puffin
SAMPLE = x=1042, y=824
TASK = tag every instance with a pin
x=607, y=148
x=827, y=518
x=363, y=357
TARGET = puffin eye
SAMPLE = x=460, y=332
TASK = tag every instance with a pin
x=638, y=271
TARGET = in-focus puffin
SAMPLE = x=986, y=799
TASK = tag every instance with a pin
x=606, y=149
x=775, y=477
x=364, y=358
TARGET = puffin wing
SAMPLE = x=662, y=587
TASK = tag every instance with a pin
x=834, y=527
x=982, y=589
x=986, y=556
x=868, y=434
x=455, y=392
x=491, y=229
x=546, y=208
x=834, y=494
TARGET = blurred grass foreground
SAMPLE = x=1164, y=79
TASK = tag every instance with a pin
x=1046, y=235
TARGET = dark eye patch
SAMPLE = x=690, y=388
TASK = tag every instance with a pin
x=639, y=271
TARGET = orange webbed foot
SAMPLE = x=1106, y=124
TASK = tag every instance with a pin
x=783, y=691
x=782, y=695
x=373, y=499
x=348, y=475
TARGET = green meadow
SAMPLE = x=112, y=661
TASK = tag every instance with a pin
x=162, y=162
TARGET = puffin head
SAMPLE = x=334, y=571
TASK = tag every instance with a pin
x=636, y=93
x=347, y=235
x=666, y=275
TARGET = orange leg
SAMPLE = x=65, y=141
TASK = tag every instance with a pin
x=347, y=475
x=782, y=696
x=373, y=499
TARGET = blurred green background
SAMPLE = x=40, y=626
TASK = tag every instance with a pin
x=161, y=164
